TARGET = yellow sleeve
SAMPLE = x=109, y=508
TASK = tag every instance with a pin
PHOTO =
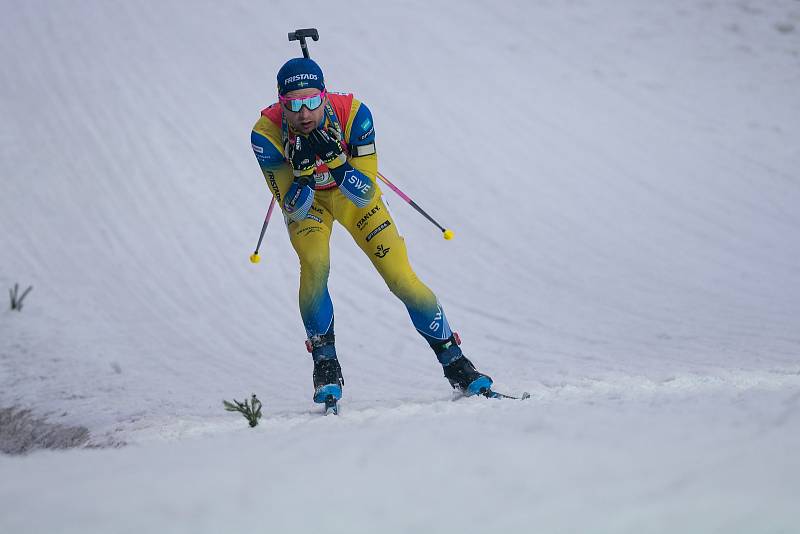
x=265, y=139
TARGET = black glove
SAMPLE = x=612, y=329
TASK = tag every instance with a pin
x=302, y=159
x=328, y=146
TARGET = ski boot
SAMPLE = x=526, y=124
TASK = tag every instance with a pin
x=459, y=371
x=328, y=379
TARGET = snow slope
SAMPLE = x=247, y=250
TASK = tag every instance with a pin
x=622, y=180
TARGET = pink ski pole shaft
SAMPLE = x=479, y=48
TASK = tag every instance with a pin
x=255, y=258
x=447, y=234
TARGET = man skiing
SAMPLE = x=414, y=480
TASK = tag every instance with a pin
x=317, y=152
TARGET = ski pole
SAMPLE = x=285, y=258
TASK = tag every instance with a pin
x=447, y=234
x=254, y=257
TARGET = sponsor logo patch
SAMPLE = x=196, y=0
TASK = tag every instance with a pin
x=274, y=186
x=314, y=218
x=383, y=226
x=363, y=220
x=298, y=77
x=310, y=230
x=382, y=251
x=370, y=132
x=437, y=320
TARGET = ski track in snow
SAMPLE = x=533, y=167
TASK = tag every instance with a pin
x=622, y=180
x=586, y=390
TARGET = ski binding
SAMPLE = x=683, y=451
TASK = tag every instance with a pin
x=331, y=405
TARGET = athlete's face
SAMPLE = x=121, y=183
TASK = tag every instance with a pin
x=305, y=120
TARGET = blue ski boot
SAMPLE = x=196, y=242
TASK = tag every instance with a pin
x=458, y=370
x=328, y=379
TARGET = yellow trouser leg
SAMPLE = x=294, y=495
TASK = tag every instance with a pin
x=310, y=239
x=375, y=232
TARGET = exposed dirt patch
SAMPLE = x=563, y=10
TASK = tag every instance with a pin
x=22, y=432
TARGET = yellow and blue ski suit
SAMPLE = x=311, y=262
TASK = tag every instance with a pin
x=372, y=227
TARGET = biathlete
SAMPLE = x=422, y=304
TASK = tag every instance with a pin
x=317, y=152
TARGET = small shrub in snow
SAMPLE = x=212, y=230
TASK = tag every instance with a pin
x=251, y=410
x=16, y=298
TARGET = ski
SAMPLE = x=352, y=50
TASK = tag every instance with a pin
x=491, y=394
x=331, y=405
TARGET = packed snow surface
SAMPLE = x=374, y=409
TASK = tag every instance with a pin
x=622, y=178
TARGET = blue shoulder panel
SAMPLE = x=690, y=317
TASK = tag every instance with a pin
x=362, y=132
x=267, y=155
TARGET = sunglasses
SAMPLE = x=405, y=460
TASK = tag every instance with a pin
x=296, y=104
